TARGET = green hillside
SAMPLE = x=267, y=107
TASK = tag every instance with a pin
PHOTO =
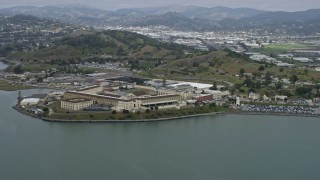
x=112, y=43
x=224, y=65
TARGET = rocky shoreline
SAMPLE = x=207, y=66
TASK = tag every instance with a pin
x=159, y=119
x=128, y=120
x=16, y=107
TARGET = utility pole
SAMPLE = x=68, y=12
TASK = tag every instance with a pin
x=19, y=97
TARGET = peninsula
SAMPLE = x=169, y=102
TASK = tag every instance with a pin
x=154, y=73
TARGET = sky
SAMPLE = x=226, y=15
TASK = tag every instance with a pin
x=275, y=5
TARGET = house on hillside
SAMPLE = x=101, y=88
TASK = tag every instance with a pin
x=254, y=96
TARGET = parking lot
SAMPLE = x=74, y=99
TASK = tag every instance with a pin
x=280, y=109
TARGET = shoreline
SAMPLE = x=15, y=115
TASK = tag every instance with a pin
x=273, y=114
x=129, y=120
x=159, y=119
x=29, y=88
x=111, y=121
x=177, y=118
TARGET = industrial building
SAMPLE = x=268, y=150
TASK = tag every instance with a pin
x=128, y=96
x=29, y=102
x=93, y=95
x=75, y=104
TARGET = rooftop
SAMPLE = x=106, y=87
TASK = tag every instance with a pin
x=30, y=100
x=76, y=100
x=88, y=88
x=39, y=96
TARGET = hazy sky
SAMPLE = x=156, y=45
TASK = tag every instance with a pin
x=286, y=5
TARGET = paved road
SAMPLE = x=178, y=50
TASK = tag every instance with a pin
x=201, y=79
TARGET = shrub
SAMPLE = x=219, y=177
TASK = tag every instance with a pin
x=261, y=68
x=45, y=109
x=125, y=111
x=281, y=69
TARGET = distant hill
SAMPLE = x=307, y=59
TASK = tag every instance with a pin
x=177, y=21
x=55, y=11
x=27, y=33
x=74, y=14
x=281, y=17
x=192, y=18
x=84, y=14
x=212, y=13
x=95, y=44
x=301, y=22
x=299, y=16
x=221, y=18
x=25, y=20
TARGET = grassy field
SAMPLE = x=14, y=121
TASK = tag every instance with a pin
x=150, y=51
x=55, y=52
x=37, y=67
x=279, y=48
x=212, y=67
x=6, y=86
x=218, y=66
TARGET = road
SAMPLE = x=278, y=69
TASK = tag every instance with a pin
x=207, y=79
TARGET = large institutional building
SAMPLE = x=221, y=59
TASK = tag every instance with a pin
x=75, y=104
x=77, y=100
x=132, y=97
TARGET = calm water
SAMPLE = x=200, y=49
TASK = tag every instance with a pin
x=3, y=66
x=226, y=147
